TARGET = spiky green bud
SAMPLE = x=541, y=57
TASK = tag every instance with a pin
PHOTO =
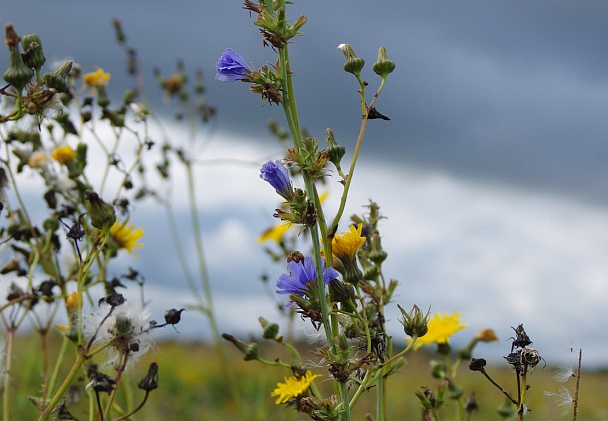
x=33, y=56
x=439, y=369
x=102, y=214
x=56, y=80
x=334, y=151
x=375, y=253
x=116, y=119
x=271, y=330
x=383, y=66
x=17, y=74
x=249, y=350
x=353, y=63
x=415, y=323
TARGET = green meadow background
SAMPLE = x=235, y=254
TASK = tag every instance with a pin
x=192, y=387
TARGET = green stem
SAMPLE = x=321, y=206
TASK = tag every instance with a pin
x=44, y=345
x=275, y=363
x=435, y=414
x=522, y=394
x=82, y=357
x=181, y=255
x=83, y=269
x=362, y=387
x=291, y=114
x=402, y=353
x=60, y=356
x=9, y=354
x=231, y=382
x=381, y=396
x=292, y=349
x=349, y=178
x=344, y=395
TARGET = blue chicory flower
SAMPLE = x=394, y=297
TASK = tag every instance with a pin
x=301, y=273
x=278, y=176
x=231, y=66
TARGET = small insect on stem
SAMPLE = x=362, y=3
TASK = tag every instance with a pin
x=75, y=232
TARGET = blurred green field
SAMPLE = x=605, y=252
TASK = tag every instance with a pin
x=192, y=388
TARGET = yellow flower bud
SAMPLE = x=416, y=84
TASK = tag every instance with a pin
x=71, y=301
x=63, y=154
x=486, y=335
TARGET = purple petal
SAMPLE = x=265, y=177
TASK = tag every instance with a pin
x=275, y=173
x=231, y=66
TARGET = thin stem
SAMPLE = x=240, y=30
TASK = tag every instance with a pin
x=9, y=354
x=181, y=255
x=344, y=394
x=292, y=349
x=578, y=384
x=361, y=388
x=44, y=345
x=521, y=392
x=231, y=383
x=349, y=178
x=141, y=405
x=119, y=374
x=53, y=379
x=402, y=353
x=435, y=414
x=80, y=359
x=483, y=371
x=99, y=407
x=381, y=396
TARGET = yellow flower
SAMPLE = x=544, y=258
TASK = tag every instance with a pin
x=126, y=236
x=348, y=243
x=63, y=154
x=96, y=79
x=275, y=233
x=293, y=388
x=71, y=303
x=441, y=327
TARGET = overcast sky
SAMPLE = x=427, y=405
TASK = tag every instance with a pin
x=492, y=170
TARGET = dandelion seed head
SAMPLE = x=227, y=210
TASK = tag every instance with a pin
x=127, y=327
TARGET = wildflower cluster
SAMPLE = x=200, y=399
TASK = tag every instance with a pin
x=60, y=247
x=336, y=282
x=64, y=129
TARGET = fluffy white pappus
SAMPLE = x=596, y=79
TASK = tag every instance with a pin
x=564, y=373
x=126, y=328
x=563, y=399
